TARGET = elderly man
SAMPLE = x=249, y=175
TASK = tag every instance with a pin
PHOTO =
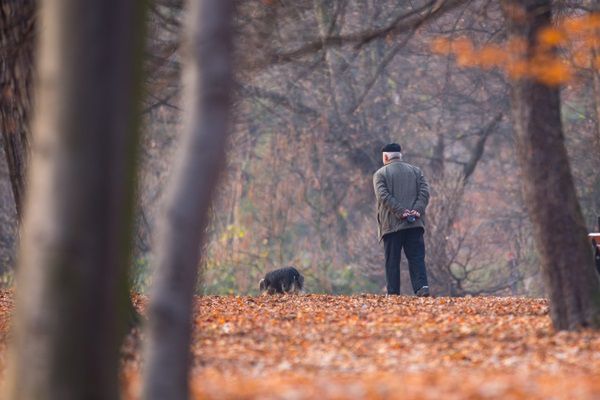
x=402, y=196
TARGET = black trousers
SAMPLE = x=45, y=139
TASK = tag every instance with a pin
x=414, y=249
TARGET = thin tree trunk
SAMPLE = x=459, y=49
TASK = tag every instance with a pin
x=596, y=90
x=17, y=29
x=71, y=283
x=549, y=191
x=593, y=5
x=206, y=98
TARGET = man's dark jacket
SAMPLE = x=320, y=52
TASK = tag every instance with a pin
x=398, y=187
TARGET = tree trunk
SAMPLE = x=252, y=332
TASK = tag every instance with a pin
x=549, y=191
x=17, y=29
x=206, y=98
x=596, y=90
x=71, y=283
x=595, y=71
x=17, y=32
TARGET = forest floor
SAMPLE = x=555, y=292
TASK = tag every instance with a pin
x=375, y=347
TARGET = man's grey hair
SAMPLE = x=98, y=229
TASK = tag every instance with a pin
x=393, y=155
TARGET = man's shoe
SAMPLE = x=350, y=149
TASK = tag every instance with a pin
x=423, y=292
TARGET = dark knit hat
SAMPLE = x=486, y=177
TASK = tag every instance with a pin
x=391, y=148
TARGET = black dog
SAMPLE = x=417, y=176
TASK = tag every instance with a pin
x=283, y=280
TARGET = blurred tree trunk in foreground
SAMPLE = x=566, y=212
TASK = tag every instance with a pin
x=72, y=287
x=17, y=30
x=559, y=227
x=206, y=98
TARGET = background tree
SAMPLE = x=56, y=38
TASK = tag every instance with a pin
x=17, y=31
x=548, y=188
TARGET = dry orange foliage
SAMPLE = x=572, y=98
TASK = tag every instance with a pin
x=572, y=44
x=375, y=347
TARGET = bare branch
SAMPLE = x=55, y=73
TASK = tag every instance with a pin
x=403, y=23
x=477, y=151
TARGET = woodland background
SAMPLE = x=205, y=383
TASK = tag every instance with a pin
x=306, y=139
x=310, y=90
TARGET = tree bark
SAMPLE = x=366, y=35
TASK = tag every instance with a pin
x=71, y=283
x=596, y=90
x=17, y=34
x=17, y=30
x=549, y=191
x=206, y=98
x=595, y=71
